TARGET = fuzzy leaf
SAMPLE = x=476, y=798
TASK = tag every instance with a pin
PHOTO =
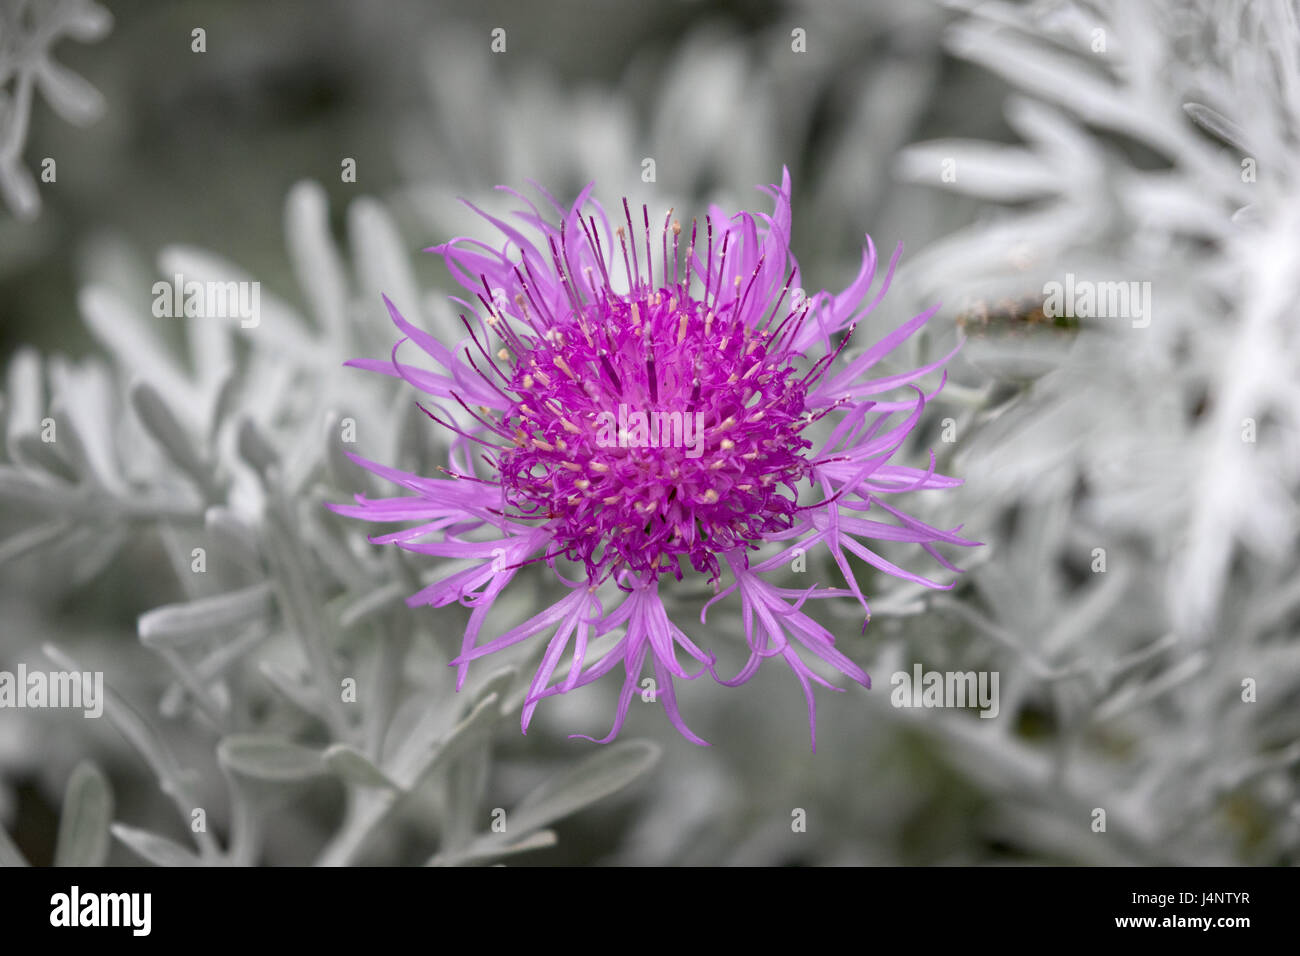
x=466, y=733
x=158, y=850
x=483, y=850
x=1216, y=124
x=270, y=758
x=255, y=448
x=71, y=95
x=316, y=261
x=85, y=406
x=178, y=624
x=19, y=190
x=134, y=343
x=87, y=22
x=381, y=256
x=30, y=539
x=303, y=696
x=231, y=537
x=355, y=767
x=83, y=826
x=600, y=775
x=25, y=395
x=162, y=425
x=990, y=171
x=138, y=732
x=417, y=759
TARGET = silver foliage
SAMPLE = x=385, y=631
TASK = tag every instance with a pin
x=28, y=30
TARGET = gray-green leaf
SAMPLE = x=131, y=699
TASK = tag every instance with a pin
x=270, y=758
x=178, y=624
x=600, y=775
x=355, y=767
x=157, y=849
x=87, y=812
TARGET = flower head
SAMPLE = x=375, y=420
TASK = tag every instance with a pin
x=643, y=398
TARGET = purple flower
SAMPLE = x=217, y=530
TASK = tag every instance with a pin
x=635, y=402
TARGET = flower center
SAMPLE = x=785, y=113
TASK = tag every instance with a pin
x=649, y=426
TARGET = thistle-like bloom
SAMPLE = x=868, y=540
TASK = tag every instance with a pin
x=636, y=402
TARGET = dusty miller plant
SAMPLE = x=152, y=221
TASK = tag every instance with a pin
x=28, y=31
x=1145, y=474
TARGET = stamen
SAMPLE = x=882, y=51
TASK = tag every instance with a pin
x=636, y=266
